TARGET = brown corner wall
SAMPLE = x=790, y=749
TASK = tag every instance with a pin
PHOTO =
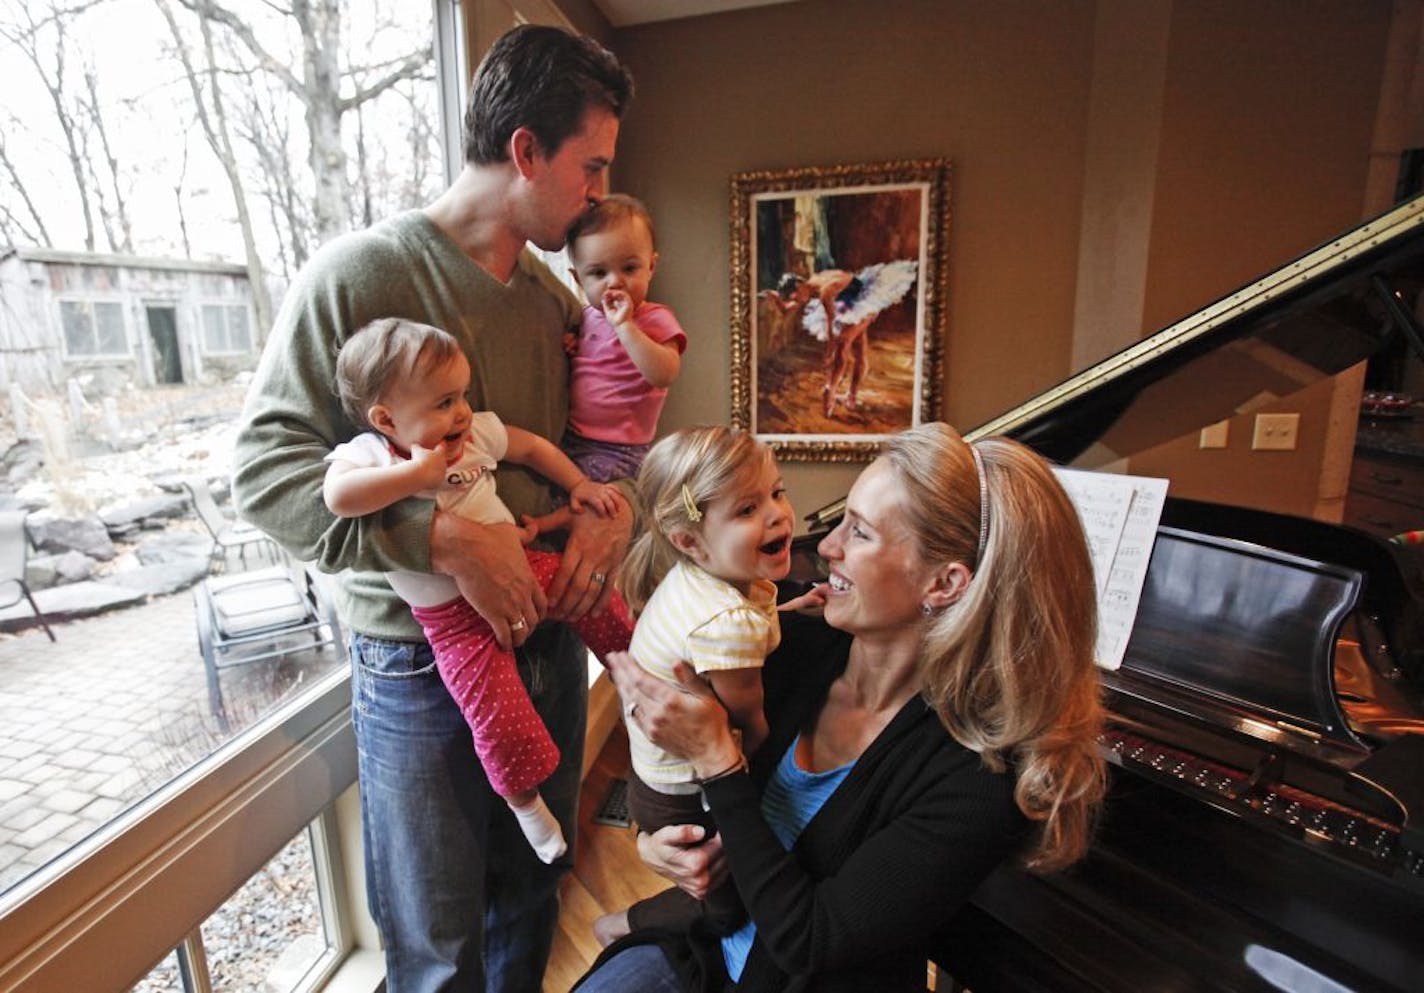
x=1265, y=111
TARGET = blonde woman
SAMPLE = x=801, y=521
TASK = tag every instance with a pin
x=939, y=722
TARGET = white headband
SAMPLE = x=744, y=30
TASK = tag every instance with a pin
x=983, y=504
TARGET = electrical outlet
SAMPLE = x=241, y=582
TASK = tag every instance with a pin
x=1214, y=435
x=1275, y=432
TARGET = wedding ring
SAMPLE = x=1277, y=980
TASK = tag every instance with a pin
x=598, y=578
x=518, y=625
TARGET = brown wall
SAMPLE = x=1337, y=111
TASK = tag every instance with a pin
x=1259, y=149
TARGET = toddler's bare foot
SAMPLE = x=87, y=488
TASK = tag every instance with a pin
x=610, y=927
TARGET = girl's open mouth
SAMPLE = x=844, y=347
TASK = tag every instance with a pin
x=775, y=547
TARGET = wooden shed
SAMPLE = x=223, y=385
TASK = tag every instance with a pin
x=118, y=320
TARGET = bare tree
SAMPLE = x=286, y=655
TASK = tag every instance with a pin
x=262, y=124
x=39, y=234
x=424, y=149
x=180, y=198
x=318, y=88
x=26, y=31
x=111, y=163
x=215, y=129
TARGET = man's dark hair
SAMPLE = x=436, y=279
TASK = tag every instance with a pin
x=543, y=79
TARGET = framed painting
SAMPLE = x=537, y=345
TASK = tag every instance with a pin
x=838, y=304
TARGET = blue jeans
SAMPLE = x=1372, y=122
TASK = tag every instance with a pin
x=640, y=969
x=461, y=900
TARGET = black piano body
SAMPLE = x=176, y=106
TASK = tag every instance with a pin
x=1265, y=828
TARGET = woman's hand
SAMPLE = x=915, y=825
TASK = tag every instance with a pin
x=686, y=719
x=678, y=853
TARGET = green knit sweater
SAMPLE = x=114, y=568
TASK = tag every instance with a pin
x=403, y=267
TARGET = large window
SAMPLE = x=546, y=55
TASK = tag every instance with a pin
x=93, y=328
x=225, y=329
x=130, y=806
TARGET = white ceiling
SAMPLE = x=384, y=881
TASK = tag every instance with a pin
x=622, y=13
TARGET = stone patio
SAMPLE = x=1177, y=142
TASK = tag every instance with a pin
x=116, y=707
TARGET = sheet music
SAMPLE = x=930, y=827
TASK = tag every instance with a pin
x=1120, y=515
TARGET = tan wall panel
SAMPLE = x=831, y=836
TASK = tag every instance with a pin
x=1265, y=119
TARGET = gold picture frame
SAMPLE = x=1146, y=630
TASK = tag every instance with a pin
x=839, y=278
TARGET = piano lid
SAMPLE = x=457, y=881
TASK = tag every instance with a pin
x=1314, y=317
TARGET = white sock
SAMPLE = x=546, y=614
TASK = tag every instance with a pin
x=541, y=828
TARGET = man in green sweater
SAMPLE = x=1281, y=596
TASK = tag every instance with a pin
x=461, y=902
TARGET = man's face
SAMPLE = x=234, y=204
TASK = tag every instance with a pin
x=566, y=182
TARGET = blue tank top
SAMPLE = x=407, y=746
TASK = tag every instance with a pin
x=792, y=797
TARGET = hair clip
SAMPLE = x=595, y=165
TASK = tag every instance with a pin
x=690, y=505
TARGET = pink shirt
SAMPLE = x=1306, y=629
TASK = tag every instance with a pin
x=609, y=400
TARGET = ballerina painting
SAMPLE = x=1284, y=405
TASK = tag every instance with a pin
x=837, y=309
x=838, y=289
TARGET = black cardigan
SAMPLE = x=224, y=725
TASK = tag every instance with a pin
x=896, y=850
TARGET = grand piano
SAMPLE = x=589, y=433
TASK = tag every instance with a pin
x=1265, y=827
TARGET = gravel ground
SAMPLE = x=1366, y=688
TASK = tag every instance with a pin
x=265, y=937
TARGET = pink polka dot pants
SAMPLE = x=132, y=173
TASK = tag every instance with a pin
x=510, y=739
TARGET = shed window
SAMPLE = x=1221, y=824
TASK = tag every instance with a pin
x=93, y=327
x=226, y=329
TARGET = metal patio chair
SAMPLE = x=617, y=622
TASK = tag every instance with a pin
x=14, y=553
x=228, y=534
x=259, y=614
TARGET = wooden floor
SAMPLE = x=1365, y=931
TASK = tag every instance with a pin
x=608, y=875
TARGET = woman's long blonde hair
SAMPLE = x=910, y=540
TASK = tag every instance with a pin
x=1009, y=667
x=680, y=476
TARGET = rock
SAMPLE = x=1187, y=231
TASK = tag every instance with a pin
x=67, y=602
x=42, y=571
x=74, y=567
x=143, y=511
x=172, y=546
x=62, y=534
x=160, y=578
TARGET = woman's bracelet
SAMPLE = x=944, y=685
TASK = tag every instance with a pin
x=741, y=765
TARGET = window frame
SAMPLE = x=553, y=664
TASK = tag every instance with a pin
x=104, y=913
x=93, y=300
x=227, y=307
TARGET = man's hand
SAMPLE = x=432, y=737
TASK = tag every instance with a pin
x=592, y=555
x=678, y=853
x=488, y=564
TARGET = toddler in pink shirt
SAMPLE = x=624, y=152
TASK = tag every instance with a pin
x=627, y=352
